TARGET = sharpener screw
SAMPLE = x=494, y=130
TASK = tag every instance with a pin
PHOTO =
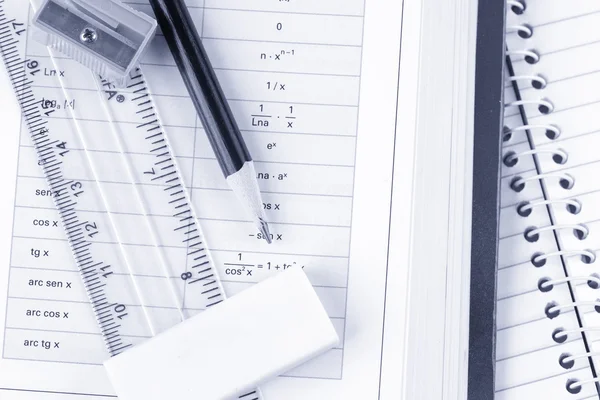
x=88, y=35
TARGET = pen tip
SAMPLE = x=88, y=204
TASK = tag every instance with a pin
x=264, y=230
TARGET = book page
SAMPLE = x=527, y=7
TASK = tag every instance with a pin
x=319, y=119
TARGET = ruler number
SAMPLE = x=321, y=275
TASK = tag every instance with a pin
x=106, y=274
x=76, y=187
x=34, y=66
x=63, y=146
x=120, y=310
x=92, y=228
x=16, y=26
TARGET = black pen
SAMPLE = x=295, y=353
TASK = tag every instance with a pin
x=217, y=119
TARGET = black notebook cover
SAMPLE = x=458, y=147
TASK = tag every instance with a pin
x=489, y=110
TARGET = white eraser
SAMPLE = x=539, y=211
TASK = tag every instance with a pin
x=230, y=348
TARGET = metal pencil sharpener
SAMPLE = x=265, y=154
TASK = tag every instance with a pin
x=106, y=36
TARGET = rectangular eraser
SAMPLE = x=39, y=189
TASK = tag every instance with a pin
x=230, y=348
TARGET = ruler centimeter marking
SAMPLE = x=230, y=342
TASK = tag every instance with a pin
x=94, y=272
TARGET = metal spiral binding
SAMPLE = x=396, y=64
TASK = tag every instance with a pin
x=524, y=209
x=587, y=256
x=558, y=155
x=566, y=180
x=537, y=81
x=552, y=131
x=545, y=106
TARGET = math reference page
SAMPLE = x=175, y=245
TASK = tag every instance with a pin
x=314, y=87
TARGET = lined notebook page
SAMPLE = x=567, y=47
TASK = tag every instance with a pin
x=567, y=38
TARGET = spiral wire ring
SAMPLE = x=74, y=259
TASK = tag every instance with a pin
x=550, y=283
x=535, y=57
x=540, y=102
x=534, y=78
x=571, y=358
x=564, y=333
x=558, y=307
x=515, y=3
x=576, y=227
x=526, y=30
x=575, y=384
x=560, y=175
x=545, y=106
x=538, y=258
x=554, y=129
x=528, y=206
x=510, y=157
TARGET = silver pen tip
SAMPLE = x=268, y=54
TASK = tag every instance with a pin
x=264, y=230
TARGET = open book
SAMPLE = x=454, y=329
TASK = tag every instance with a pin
x=374, y=200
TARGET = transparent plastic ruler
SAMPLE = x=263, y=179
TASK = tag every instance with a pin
x=116, y=185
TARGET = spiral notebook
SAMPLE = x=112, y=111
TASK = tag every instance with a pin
x=548, y=301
